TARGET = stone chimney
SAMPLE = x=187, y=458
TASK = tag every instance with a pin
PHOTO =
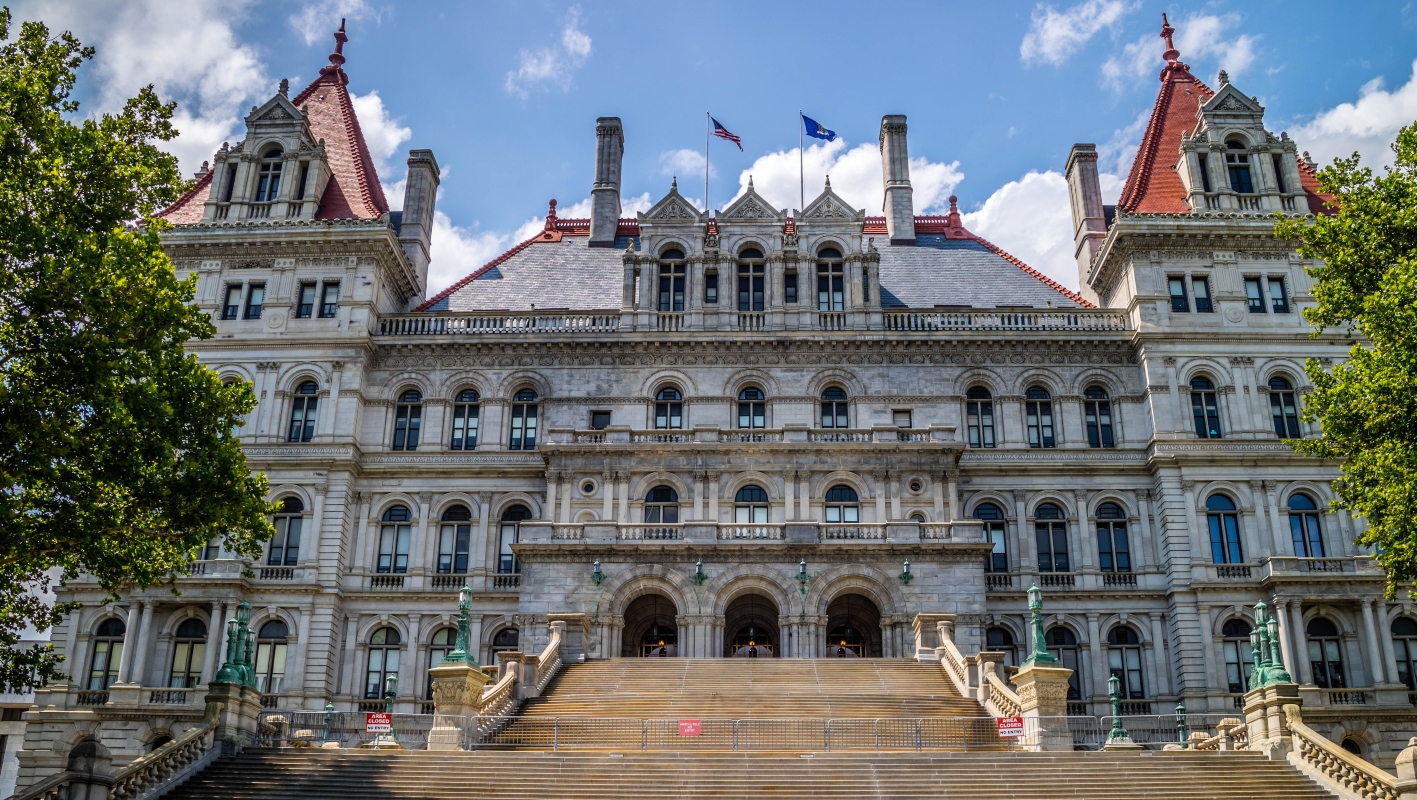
x=1085, y=195
x=895, y=172
x=605, y=193
x=420, y=194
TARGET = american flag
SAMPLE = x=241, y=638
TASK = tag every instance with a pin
x=723, y=133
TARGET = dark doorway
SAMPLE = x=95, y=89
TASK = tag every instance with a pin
x=750, y=627
x=650, y=630
x=853, y=627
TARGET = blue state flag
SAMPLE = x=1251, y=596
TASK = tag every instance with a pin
x=816, y=130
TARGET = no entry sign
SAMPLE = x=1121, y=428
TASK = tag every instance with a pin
x=378, y=722
x=1010, y=726
x=690, y=727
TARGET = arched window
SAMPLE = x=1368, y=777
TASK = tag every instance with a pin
x=1304, y=527
x=831, y=281
x=668, y=409
x=408, y=419
x=1204, y=408
x=752, y=408
x=271, y=642
x=1000, y=640
x=1064, y=646
x=189, y=649
x=750, y=280
x=465, y=416
x=107, y=653
x=979, y=413
x=394, y=538
x=1038, y=416
x=453, y=541
x=524, y=420
x=1239, y=655
x=1325, y=656
x=750, y=505
x=1283, y=409
x=1097, y=415
x=994, y=532
x=506, y=640
x=438, y=649
x=1113, y=549
x=383, y=662
x=1404, y=641
x=1238, y=162
x=302, y=413
x=843, y=505
x=512, y=518
x=1351, y=746
x=834, y=408
x=268, y=176
x=671, y=280
x=285, y=545
x=662, y=505
x=1224, y=531
x=1051, y=530
x=1124, y=661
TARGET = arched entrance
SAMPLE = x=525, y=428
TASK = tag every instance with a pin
x=650, y=630
x=750, y=627
x=853, y=627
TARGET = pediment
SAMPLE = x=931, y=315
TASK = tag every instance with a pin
x=1232, y=100
x=752, y=206
x=673, y=208
x=276, y=111
x=829, y=207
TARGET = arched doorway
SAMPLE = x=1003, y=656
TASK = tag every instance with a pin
x=750, y=627
x=853, y=627
x=650, y=630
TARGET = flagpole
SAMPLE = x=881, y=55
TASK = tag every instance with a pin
x=707, y=116
x=801, y=180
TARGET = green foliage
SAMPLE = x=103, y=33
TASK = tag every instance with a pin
x=117, y=457
x=1367, y=405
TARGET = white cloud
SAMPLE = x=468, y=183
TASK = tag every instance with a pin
x=187, y=49
x=317, y=20
x=684, y=164
x=383, y=135
x=552, y=65
x=456, y=252
x=1055, y=35
x=1032, y=219
x=855, y=175
x=1199, y=38
x=1367, y=126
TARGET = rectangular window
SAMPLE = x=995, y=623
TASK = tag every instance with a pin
x=789, y=288
x=329, y=301
x=507, y=560
x=1038, y=418
x=1205, y=174
x=1254, y=295
x=998, y=560
x=1200, y=287
x=232, y=303
x=901, y=418
x=980, y=416
x=393, y=548
x=1279, y=300
x=523, y=427
x=285, y=545
x=1052, y=547
x=599, y=420
x=1125, y=663
x=255, y=298
x=408, y=419
x=750, y=289
x=831, y=289
x=464, y=426
x=711, y=289
x=230, y=183
x=453, y=543
x=304, y=179
x=1097, y=415
x=1278, y=173
x=1179, y=302
x=1225, y=539
x=1113, y=549
x=306, y=306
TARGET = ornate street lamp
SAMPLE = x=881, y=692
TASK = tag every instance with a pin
x=699, y=576
x=1038, y=653
x=905, y=576
x=597, y=575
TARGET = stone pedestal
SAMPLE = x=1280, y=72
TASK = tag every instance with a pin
x=457, y=696
x=931, y=631
x=1406, y=768
x=1265, y=721
x=575, y=635
x=1043, y=694
x=236, y=709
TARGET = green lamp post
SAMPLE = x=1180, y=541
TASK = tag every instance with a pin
x=1118, y=734
x=461, y=652
x=1038, y=653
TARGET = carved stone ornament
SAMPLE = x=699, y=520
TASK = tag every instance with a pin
x=829, y=210
x=751, y=210
x=676, y=210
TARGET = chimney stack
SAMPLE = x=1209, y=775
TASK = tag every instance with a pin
x=895, y=172
x=419, y=197
x=605, y=193
x=1085, y=196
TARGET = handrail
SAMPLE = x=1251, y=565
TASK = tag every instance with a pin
x=549, y=662
x=954, y=666
x=499, y=699
x=1336, y=768
x=1071, y=319
x=47, y=789
x=146, y=774
x=477, y=324
x=1003, y=701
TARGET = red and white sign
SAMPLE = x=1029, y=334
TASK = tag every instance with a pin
x=1010, y=726
x=378, y=722
x=690, y=727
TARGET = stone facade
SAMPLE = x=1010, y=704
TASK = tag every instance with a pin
x=743, y=522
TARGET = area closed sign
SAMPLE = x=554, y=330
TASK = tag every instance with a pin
x=1010, y=726
x=690, y=727
x=378, y=722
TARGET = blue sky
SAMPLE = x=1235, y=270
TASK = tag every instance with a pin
x=506, y=94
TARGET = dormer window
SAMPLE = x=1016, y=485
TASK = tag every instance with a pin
x=269, y=183
x=1238, y=162
x=750, y=280
x=831, y=288
x=671, y=281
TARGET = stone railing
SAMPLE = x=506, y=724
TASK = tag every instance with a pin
x=1002, y=700
x=1285, y=566
x=499, y=322
x=955, y=666
x=832, y=531
x=987, y=320
x=651, y=532
x=567, y=532
x=163, y=768
x=936, y=531
x=840, y=436
x=749, y=436
x=1230, y=734
x=761, y=531
x=500, y=699
x=1334, y=767
x=549, y=662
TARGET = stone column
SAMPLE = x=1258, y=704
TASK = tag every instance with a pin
x=952, y=482
x=937, y=494
x=1199, y=545
x=607, y=493
x=144, y=643
x=879, y=490
x=1306, y=671
x=1163, y=668
x=713, y=498
x=1025, y=558
x=789, y=485
x=548, y=510
x=804, y=513
x=227, y=616
x=1385, y=639
x=1375, y=652
x=1144, y=551
x=1080, y=534
x=623, y=481
x=1208, y=641
x=215, y=633
x=302, y=649
x=568, y=491
x=1092, y=688
x=427, y=531
x=893, y=487
x=698, y=496
x=1286, y=647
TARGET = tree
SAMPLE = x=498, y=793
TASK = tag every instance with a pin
x=117, y=453
x=1367, y=406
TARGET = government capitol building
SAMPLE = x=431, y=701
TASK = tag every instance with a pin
x=759, y=433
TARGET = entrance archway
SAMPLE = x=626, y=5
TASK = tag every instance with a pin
x=853, y=627
x=750, y=627
x=650, y=630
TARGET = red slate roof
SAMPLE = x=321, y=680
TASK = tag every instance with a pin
x=353, y=191
x=1152, y=186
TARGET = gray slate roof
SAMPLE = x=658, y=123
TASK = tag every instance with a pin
x=571, y=275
